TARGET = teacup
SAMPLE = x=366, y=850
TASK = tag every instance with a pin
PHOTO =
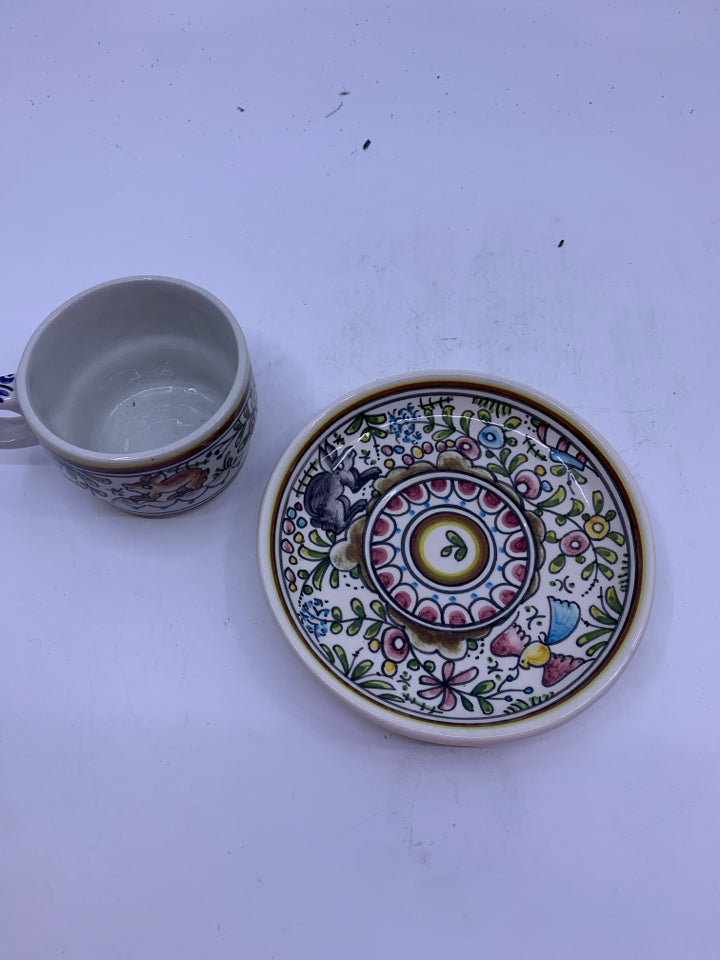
x=141, y=390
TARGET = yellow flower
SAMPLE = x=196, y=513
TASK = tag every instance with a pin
x=597, y=527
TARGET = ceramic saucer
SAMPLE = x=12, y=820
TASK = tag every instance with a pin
x=458, y=557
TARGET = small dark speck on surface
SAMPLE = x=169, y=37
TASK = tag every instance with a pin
x=366, y=144
x=241, y=109
x=344, y=93
x=561, y=243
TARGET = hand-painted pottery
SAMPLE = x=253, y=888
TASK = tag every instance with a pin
x=141, y=390
x=457, y=557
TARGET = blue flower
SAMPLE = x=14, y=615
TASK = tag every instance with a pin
x=492, y=436
x=315, y=618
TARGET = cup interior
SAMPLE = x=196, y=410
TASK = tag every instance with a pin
x=133, y=366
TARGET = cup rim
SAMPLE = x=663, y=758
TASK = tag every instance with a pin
x=179, y=449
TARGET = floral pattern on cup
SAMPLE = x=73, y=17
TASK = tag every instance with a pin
x=174, y=488
x=461, y=557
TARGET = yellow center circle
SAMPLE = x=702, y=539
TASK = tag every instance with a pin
x=464, y=554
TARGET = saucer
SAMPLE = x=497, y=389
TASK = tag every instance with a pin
x=458, y=557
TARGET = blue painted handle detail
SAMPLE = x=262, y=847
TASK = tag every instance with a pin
x=7, y=387
x=14, y=431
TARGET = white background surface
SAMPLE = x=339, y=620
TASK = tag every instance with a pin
x=172, y=782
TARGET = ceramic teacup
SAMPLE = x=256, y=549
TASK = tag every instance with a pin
x=141, y=390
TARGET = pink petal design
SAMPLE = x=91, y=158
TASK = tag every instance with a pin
x=449, y=700
x=465, y=676
x=558, y=666
x=510, y=643
x=448, y=668
x=434, y=691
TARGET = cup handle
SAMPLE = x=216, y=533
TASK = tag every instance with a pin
x=14, y=431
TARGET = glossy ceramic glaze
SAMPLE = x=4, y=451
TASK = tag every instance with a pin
x=458, y=557
x=141, y=390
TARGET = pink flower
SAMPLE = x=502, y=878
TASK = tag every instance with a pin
x=444, y=687
x=574, y=543
x=395, y=644
x=468, y=448
x=527, y=484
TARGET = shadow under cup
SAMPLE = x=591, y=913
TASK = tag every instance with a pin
x=138, y=376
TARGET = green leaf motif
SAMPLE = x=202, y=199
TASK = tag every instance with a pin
x=512, y=423
x=342, y=657
x=516, y=461
x=308, y=554
x=557, y=563
x=328, y=653
x=465, y=421
x=595, y=648
x=600, y=616
x=485, y=687
x=319, y=573
x=378, y=609
x=358, y=608
x=361, y=669
x=612, y=600
x=373, y=630
x=598, y=501
x=355, y=425
x=354, y=627
x=467, y=703
x=592, y=635
x=486, y=706
x=554, y=499
x=607, y=554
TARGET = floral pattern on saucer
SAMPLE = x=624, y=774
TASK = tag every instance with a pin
x=456, y=553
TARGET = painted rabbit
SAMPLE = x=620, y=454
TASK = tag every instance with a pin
x=158, y=486
x=325, y=500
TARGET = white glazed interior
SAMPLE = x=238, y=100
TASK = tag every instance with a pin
x=132, y=366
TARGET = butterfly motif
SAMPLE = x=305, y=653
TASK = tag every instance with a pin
x=559, y=452
x=515, y=642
